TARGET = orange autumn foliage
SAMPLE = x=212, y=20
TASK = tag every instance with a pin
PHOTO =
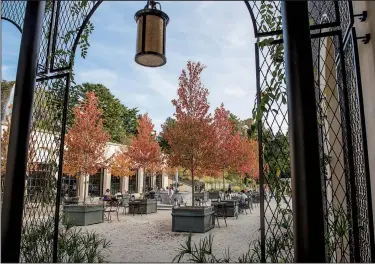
x=191, y=136
x=144, y=150
x=85, y=142
x=122, y=165
x=248, y=158
x=227, y=140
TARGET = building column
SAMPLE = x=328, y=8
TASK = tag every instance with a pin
x=126, y=184
x=82, y=180
x=153, y=179
x=140, y=181
x=164, y=179
x=122, y=184
x=106, y=180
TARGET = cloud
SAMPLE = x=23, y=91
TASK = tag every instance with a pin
x=103, y=76
x=8, y=72
x=236, y=91
x=142, y=99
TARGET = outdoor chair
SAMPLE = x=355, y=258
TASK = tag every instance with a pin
x=244, y=205
x=181, y=202
x=119, y=197
x=220, y=211
x=214, y=201
x=125, y=204
x=111, y=207
x=199, y=202
x=250, y=203
x=136, y=205
x=247, y=205
x=256, y=198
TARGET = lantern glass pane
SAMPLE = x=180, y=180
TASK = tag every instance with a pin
x=139, y=35
x=154, y=34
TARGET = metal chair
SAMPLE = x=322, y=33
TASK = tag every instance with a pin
x=243, y=205
x=135, y=205
x=220, y=211
x=124, y=204
x=111, y=207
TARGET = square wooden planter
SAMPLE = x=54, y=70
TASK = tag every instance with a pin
x=197, y=219
x=147, y=206
x=83, y=215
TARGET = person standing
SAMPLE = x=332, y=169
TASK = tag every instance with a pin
x=229, y=188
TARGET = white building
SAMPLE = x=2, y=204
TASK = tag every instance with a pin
x=46, y=161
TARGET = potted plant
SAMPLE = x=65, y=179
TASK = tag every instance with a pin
x=191, y=139
x=84, y=155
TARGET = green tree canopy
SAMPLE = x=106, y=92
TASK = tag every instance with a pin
x=119, y=120
x=163, y=143
x=241, y=126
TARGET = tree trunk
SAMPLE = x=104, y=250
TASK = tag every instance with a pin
x=192, y=187
x=223, y=182
x=144, y=181
x=84, y=189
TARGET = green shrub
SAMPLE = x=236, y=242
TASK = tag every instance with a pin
x=236, y=188
x=202, y=253
x=74, y=245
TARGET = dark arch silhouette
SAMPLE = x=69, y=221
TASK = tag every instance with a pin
x=13, y=22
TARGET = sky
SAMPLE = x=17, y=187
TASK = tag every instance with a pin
x=218, y=34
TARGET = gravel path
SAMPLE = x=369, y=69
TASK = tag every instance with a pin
x=149, y=238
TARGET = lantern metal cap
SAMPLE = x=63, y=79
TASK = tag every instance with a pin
x=153, y=12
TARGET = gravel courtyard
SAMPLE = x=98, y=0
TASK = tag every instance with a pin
x=149, y=238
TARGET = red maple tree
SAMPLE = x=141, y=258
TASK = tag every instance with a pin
x=191, y=137
x=248, y=158
x=227, y=141
x=85, y=142
x=144, y=150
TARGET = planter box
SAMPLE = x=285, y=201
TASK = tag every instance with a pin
x=83, y=215
x=203, y=196
x=148, y=206
x=231, y=208
x=213, y=195
x=192, y=219
x=70, y=200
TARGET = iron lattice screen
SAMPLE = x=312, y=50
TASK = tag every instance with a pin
x=347, y=230
x=70, y=31
x=14, y=12
x=277, y=234
x=335, y=154
x=42, y=191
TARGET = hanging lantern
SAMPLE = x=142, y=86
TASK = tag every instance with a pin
x=151, y=23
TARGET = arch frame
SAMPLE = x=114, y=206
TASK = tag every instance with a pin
x=52, y=69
